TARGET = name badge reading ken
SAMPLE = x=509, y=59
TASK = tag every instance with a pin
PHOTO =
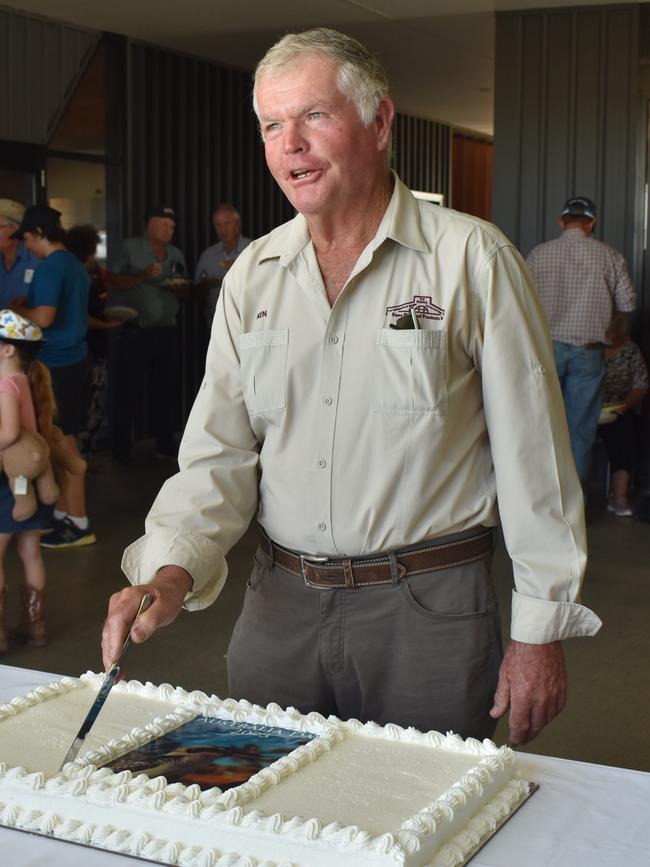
x=420, y=307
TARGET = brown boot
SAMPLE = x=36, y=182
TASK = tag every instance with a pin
x=4, y=643
x=32, y=627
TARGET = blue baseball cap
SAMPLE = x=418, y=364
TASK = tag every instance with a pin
x=579, y=206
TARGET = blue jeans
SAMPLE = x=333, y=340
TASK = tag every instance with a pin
x=581, y=374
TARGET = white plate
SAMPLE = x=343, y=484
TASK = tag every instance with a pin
x=118, y=312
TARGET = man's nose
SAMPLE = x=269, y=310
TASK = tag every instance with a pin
x=294, y=140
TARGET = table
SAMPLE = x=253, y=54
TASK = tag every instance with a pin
x=582, y=816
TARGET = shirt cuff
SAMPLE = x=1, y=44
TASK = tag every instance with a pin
x=193, y=552
x=540, y=621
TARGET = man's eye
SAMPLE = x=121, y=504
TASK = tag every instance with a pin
x=314, y=115
x=271, y=127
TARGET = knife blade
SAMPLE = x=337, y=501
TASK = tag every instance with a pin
x=106, y=687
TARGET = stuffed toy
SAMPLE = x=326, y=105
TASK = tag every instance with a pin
x=28, y=462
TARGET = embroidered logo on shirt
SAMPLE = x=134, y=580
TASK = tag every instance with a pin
x=421, y=305
x=262, y=314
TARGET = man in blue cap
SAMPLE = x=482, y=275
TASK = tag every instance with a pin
x=582, y=283
x=149, y=345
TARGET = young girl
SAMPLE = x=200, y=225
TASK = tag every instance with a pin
x=26, y=401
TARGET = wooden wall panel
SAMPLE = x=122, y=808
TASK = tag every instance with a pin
x=472, y=176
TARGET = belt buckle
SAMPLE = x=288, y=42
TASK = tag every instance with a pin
x=308, y=558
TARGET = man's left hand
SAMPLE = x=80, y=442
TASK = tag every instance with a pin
x=532, y=683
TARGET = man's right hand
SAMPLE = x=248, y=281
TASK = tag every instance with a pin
x=168, y=590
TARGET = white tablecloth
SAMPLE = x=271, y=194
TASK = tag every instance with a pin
x=582, y=816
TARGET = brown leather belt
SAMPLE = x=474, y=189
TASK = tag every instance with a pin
x=332, y=574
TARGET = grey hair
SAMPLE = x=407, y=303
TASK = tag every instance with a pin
x=226, y=206
x=360, y=75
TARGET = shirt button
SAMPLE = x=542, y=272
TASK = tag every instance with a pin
x=327, y=400
x=334, y=339
x=322, y=463
x=322, y=527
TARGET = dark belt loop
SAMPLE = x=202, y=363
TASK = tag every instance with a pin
x=395, y=576
x=348, y=574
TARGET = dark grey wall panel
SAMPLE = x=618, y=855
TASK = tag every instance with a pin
x=422, y=154
x=570, y=119
x=567, y=121
x=40, y=63
x=194, y=141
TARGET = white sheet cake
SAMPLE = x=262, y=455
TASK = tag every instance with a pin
x=353, y=794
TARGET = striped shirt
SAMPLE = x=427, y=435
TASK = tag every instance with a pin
x=581, y=281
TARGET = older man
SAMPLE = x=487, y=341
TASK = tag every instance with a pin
x=17, y=265
x=216, y=261
x=372, y=454
x=582, y=283
x=146, y=351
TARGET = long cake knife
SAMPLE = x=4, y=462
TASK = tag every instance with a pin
x=106, y=687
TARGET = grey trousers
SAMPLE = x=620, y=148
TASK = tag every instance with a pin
x=423, y=652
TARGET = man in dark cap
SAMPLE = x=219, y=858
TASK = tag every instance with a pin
x=149, y=344
x=582, y=283
x=57, y=301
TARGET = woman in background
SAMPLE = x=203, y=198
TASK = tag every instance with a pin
x=624, y=387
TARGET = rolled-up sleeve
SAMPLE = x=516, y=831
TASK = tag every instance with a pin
x=539, y=494
x=202, y=511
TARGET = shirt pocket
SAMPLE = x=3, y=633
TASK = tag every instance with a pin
x=264, y=369
x=411, y=372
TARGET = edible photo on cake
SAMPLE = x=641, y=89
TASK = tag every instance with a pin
x=212, y=752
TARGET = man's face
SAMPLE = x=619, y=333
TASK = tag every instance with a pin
x=226, y=225
x=317, y=148
x=7, y=228
x=160, y=229
x=35, y=243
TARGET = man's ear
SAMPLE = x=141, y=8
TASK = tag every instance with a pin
x=384, y=121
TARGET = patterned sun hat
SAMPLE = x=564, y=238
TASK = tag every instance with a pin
x=15, y=327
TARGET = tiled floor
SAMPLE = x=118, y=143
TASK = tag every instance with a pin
x=607, y=719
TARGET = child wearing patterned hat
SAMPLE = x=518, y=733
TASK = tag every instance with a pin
x=26, y=403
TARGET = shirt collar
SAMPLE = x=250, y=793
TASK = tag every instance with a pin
x=400, y=223
x=574, y=234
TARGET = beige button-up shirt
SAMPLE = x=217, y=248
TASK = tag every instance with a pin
x=348, y=437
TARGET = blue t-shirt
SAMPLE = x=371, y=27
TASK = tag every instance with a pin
x=15, y=282
x=61, y=281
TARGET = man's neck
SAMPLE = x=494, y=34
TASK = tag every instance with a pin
x=229, y=246
x=356, y=226
x=339, y=243
x=159, y=247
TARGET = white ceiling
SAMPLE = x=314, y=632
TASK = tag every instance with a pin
x=439, y=53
